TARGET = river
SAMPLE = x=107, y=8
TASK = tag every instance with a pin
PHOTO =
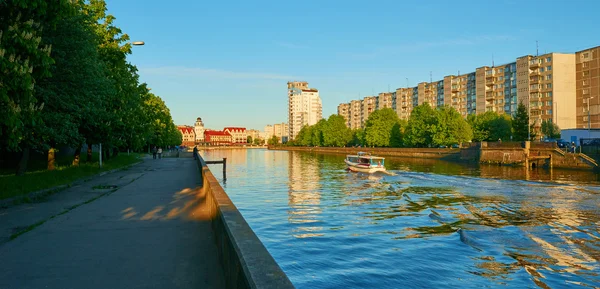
x=433, y=224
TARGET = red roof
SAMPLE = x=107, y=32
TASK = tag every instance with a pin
x=185, y=129
x=235, y=128
x=216, y=132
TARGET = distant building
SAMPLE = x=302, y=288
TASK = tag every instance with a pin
x=268, y=132
x=188, y=135
x=280, y=130
x=216, y=137
x=253, y=133
x=199, y=130
x=304, y=106
x=238, y=134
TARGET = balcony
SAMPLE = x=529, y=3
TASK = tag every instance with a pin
x=534, y=80
x=490, y=76
x=455, y=88
x=534, y=72
x=534, y=63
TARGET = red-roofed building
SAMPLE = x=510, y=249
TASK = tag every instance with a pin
x=238, y=134
x=217, y=137
x=188, y=135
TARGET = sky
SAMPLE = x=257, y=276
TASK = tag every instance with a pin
x=228, y=62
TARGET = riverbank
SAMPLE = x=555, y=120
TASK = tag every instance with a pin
x=427, y=153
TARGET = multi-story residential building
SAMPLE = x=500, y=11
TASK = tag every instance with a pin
x=587, y=88
x=268, y=132
x=554, y=86
x=547, y=86
x=280, y=130
x=253, y=133
x=455, y=93
x=368, y=106
x=199, y=130
x=384, y=100
x=355, y=114
x=238, y=134
x=344, y=110
x=188, y=135
x=304, y=106
x=404, y=102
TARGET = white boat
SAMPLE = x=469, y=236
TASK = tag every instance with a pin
x=365, y=163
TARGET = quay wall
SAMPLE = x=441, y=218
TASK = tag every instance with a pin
x=427, y=153
x=245, y=260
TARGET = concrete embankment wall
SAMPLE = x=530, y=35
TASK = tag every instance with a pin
x=245, y=260
x=427, y=153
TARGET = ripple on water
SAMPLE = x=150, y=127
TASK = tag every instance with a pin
x=328, y=228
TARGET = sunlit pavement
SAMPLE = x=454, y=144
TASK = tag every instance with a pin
x=152, y=232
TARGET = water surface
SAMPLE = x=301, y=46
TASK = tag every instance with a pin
x=433, y=225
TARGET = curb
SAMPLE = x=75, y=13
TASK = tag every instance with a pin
x=41, y=194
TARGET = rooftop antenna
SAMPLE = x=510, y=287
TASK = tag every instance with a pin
x=537, y=48
x=430, y=77
x=492, y=60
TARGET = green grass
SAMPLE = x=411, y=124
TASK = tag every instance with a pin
x=13, y=186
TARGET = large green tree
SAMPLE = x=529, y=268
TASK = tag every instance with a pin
x=550, y=129
x=520, y=123
x=398, y=133
x=379, y=126
x=421, y=126
x=450, y=127
x=490, y=126
x=335, y=131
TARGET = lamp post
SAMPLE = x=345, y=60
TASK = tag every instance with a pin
x=589, y=119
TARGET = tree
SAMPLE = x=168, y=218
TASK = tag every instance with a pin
x=490, y=126
x=550, y=129
x=358, y=137
x=335, y=131
x=274, y=140
x=450, y=127
x=317, y=133
x=398, y=132
x=520, y=124
x=378, y=128
x=249, y=139
x=258, y=141
x=421, y=126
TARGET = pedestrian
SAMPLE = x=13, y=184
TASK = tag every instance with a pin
x=573, y=147
x=159, y=153
x=195, y=152
x=154, y=152
x=500, y=140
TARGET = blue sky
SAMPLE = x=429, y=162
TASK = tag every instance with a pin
x=228, y=61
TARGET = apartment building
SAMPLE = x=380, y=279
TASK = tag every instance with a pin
x=344, y=110
x=254, y=134
x=238, y=134
x=384, y=100
x=355, y=114
x=561, y=87
x=268, y=131
x=368, y=106
x=280, y=130
x=587, y=88
x=304, y=106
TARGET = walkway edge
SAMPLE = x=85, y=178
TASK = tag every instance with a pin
x=41, y=194
x=244, y=258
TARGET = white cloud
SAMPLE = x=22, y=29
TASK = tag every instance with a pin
x=193, y=72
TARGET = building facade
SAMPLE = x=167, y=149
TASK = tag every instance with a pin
x=304, y=106
x=188, y=135
x=280, y=130
x=254, y=134
x=268, y=132
x=560, y=87
x=238, y=134
x=199, y=130
x=217, y=137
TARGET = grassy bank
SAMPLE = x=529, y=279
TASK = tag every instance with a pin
x=12, y=186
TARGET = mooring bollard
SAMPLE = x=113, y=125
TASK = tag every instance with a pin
x=224, y=168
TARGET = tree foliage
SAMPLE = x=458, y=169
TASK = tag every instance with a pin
x=274, y=140
x=450, y=127
x=550, y=129
x=379, y=126
x=421, y=126
x=335, y=133
x=490, y=126
x=520, y=123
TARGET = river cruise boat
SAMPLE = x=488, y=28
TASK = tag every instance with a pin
x=365, y=163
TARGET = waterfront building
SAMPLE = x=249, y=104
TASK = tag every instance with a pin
x=554, y=86
x=253, y=133
x=238, y=134
x=344, y=110
x=188, y=135
x=268, y=132
x=199, y=130
x=217, y=137
x=304, y=106
x=587, y=88
x=280, y=130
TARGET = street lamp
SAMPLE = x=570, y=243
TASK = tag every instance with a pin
x=589, y=119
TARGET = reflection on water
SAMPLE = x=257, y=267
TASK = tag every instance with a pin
x=434, y=224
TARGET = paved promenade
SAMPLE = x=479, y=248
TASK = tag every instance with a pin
x=144, y=227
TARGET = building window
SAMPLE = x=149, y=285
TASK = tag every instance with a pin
x=549, y=102
x=548, y=59
x=585, y=118
x=549, y=85
x=549, y=94
x=585, y=64
x=541, y=69
x=549, y=112
x=586, y=55
x=549, y=67
x=549, y=76
x=586, y=91
x=586, y=82
x=586, y=73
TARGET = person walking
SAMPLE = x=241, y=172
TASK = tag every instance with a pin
x=159, y=153
x=154, y=152
x=195, y=152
